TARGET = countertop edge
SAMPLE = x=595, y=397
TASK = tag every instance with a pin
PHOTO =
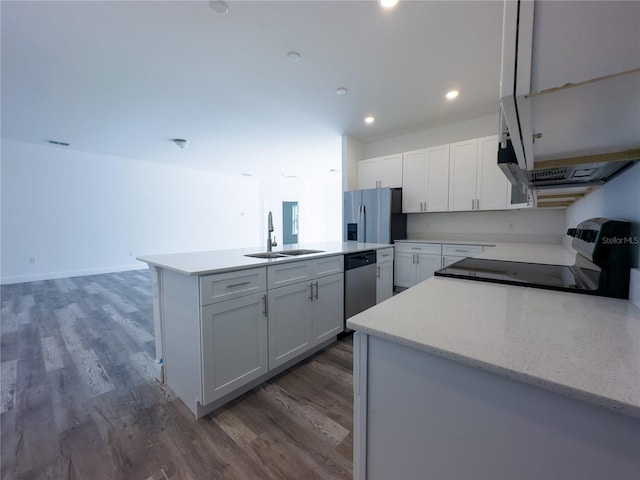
x=567, y=391
x=156, y=260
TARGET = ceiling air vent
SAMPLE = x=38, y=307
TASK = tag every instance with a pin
x=56, y=142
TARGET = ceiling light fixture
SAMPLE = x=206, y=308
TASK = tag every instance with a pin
x=369, y=120
x=341, y=91
x=452, y=94
x=218, y=6
x=388, y=3
x=181, y=142
x=294, y=56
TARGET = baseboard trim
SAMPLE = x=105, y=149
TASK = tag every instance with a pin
x=5, y=280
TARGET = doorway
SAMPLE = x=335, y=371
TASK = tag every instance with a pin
x=289, y=223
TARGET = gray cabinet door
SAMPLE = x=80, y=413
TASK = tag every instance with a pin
x=234, y=345
x=289, y=322
x=328, y=307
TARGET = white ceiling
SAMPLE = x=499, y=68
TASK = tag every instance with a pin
x=123, y=78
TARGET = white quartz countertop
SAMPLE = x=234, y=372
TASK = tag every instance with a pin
x=581, y=346
x=218, y=261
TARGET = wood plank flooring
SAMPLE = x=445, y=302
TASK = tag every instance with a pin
x=77, y=400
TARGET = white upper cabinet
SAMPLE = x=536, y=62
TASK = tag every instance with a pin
x=380, y=172
x=570, y=82
x=425, y=186
x=463, y=168
x=414, y=176
x=475, y=180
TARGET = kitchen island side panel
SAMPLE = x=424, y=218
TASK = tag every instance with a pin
x=430, y=417
x=181, y=336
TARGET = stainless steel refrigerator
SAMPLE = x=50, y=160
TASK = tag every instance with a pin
x=374, y=215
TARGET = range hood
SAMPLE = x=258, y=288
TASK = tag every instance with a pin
x=569, y=92
x=586, y=171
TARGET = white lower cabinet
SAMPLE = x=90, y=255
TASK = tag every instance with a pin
x=327, y=308
x=234, y=344
x=289, y=322
x=224, y=334
x=416, y=262
x=450, y=259
x=384, y=274
x=307, y=313
x=452, y=253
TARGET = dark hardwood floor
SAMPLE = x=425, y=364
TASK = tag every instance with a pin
x=78, y=401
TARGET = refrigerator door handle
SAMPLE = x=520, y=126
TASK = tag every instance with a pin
x=364, y=223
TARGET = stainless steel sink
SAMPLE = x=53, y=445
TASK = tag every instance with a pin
x=266, y=255
x=286, y=253
x=300, y=252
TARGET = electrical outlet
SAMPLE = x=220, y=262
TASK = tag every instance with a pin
x=131, y=253
x=32, y=259
x=510, y=225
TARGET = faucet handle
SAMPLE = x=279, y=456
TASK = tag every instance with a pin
x=274, y=243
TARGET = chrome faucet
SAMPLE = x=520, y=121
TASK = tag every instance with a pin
x=270, y=243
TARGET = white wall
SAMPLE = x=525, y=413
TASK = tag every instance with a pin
x=352, y=152
x=455, y=132
x=619, y=199
x=531, y=226
x=77, y=213
x=319, y=203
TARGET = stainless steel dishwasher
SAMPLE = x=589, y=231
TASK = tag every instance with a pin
x=359, y=282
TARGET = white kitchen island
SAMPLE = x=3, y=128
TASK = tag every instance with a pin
x=457, y=379
x=226, y=322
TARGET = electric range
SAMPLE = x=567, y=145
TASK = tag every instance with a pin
x=601, y=267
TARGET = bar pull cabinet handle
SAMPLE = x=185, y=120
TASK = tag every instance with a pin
x=317, y=290
x=238, y=284
x=264, y=311
x=311, y=292
x=459, y=250
x=378, y=273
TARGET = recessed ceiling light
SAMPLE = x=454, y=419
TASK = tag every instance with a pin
x=288, y=175
x=451, y=94
x=294, y=56
x=341, y=91
x=388, y=3
x=369, y=120
x=218, y=6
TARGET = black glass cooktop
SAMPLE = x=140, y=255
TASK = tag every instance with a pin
x=551, y=277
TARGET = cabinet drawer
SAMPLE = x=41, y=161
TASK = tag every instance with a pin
x=329, y=265
x=461, y=250
x=225, y=286
x=384, y=256
x=428, y=248
x=289, y=273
